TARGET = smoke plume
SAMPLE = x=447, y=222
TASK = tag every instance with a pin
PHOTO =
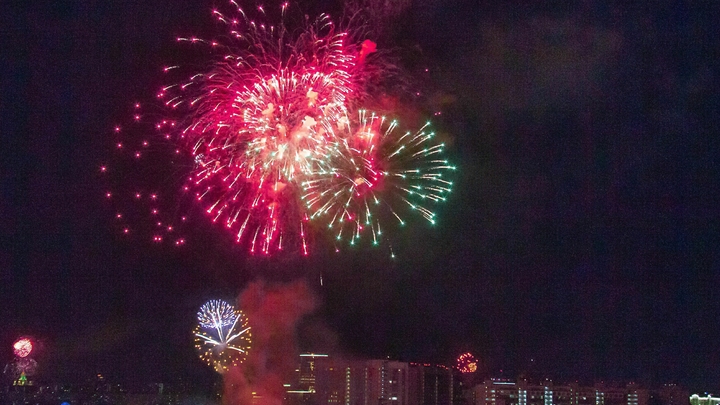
x=273, y=312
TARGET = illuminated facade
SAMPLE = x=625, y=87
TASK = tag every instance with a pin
x=303, y=388
x=508, y=392
x=387, y=381
x=321, y=379
x=695, y=399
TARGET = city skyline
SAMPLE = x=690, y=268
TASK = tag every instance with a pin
x=319, y=378
x=581, y=239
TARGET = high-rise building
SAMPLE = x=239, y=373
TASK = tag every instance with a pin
x=508, y=392
x=431, y=385
x=496, y=391
x=321, y=379
x=343, y=382
x=695, y=399
x=302, y=389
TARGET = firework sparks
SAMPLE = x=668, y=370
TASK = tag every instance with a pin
x=222, y=336
x=467, y=363
x=279, y=151
x=22, y=347
x=266, y=116
x=383, y=175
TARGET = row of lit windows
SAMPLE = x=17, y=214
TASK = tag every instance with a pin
x=548, y=395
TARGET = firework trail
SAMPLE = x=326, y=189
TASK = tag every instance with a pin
x=281, y=148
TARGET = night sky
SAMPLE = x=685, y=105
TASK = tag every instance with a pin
x=581, y=241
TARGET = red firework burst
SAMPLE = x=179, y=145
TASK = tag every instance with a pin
x=273, y=144
x=266, y=116
x=467, y=363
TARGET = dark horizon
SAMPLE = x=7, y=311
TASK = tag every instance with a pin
x=581, y=240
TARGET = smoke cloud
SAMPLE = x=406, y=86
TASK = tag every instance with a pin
x=273, y=312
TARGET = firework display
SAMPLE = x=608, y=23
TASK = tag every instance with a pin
x=282, y=148
x=382, y=174
x=22, y=347
x=222, y=336
x=23, y=365
x=467, y=363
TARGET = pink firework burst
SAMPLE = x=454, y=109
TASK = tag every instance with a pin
x=267, y=115
x=271, y=139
